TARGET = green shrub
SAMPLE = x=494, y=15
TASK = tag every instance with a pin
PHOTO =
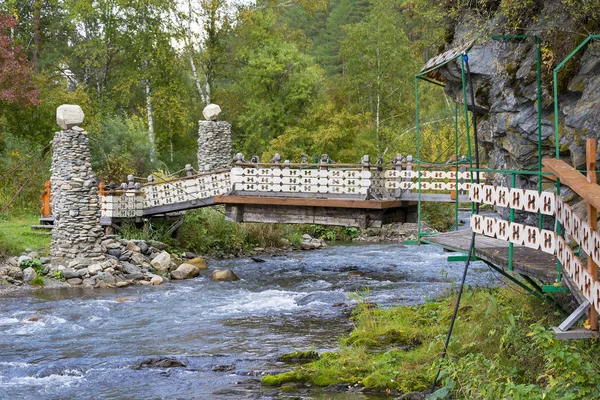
x=439, y=216
x=38, y=281
x=33, y=263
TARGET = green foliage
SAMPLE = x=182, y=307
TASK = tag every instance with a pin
x=501, y=348
x=23, y=171
x=38, y=281
x=33, y=263
x=119, y=147
x=439, y=216
x=299, y=356
x=520, y=13
x=331, y=233
x=154, y=230
x=58, y=275
x=16, y=236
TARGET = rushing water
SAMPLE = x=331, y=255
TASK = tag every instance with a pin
x=85, y=341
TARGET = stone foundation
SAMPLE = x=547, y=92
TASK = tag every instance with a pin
x=77, y=232
x=214, y=145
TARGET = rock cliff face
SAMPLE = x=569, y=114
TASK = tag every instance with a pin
x=504, y=79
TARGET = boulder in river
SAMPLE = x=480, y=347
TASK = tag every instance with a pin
x=156, y=280
x=198, y=262
x=224, y=275
x=159, y=362
x=162, y=261
x=185, y=271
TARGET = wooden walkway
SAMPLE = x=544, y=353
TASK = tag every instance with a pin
x=526, y=261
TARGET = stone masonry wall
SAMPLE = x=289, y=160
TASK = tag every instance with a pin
x=214, y=145
x=77, y=232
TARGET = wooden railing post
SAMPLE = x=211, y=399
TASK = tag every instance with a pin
x=592, y=217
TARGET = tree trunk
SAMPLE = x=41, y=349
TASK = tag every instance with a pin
x=151, y=137
x=37, y=35
x=378, y=100
x=191, y=55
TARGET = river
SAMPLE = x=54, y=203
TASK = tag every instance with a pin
x=227, y=333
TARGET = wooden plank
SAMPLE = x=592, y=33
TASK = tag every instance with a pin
x=578, y=182
x=533, y=263
x=307, y=215
x=186, y=205
x=592, y=217
x=312, y=202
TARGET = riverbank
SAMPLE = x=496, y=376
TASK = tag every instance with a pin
x=502, y=347
x=130, y=256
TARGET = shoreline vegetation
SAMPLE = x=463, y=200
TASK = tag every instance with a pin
x=502, y=347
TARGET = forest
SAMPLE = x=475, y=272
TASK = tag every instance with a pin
x=307, y=77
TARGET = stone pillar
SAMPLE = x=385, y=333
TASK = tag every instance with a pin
x=214, y=141
x=77, y=232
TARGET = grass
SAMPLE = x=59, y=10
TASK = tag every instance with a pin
x=501, y=347
x=16, y=236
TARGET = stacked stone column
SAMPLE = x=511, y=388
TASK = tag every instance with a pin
x=214, y=141
x=77, y=232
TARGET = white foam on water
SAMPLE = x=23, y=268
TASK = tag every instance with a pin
x=51, y=381
x=9, y=321
x=260, y=302
x=16, y=364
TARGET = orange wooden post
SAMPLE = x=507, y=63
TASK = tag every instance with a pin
x=592, y=217
x=46, y=211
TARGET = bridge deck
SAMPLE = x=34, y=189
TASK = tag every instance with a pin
x=526, y=261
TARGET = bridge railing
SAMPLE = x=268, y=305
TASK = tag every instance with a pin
x=577, y=230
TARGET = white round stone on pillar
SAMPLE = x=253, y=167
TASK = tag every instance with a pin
x=69, y=115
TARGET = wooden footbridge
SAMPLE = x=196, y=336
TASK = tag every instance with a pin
x=361, y=195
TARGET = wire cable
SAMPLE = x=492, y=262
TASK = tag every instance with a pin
x=472, y=244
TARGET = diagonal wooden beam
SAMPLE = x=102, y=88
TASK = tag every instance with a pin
x=578, y=182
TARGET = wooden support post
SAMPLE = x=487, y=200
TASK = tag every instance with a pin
x=592, y=217
x=46, y=211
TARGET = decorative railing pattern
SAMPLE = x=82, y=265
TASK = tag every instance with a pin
x=542, y=239
x=320, y=180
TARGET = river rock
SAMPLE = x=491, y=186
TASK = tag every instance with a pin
x=130, y=269
x=114, y=252
x=198, y=262
x=107, y=278
x=159, y=362
x=137, y=258
x=22, y=259
x=306, y=237
x=11, y=271
x=185, y=271
x=123, y=284
x=133, y=247
x=143, y=247
x=29, y=274
x=158, y=245
x=156, y=280
x=75, y=281
x=69, y=273
x=94, y=269
x=224, y=275
x=162, y=261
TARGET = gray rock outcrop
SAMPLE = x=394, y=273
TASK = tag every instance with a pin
x=505, y=86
